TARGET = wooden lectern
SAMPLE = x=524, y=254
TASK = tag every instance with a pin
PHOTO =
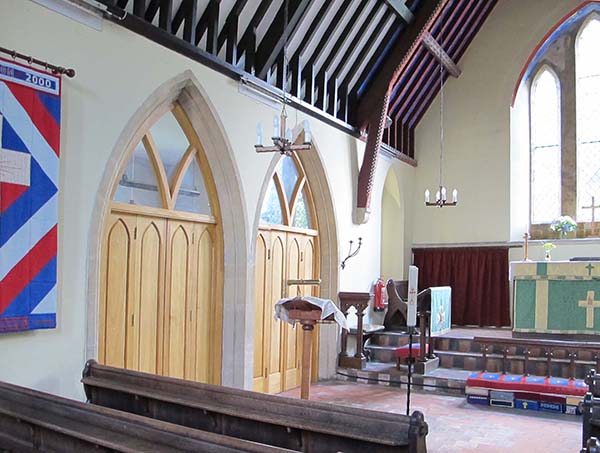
x=306, y=314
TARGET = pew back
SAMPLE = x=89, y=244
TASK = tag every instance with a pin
x=36, y=421
x=299, y=425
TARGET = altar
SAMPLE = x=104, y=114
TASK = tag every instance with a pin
x=556, y=298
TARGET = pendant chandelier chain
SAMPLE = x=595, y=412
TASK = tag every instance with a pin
x=441, y=113
x=441, y=196
x=283, y=140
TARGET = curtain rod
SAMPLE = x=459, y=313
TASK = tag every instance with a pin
x=510, y=245
x=69, y=72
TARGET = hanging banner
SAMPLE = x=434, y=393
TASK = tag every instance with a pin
x=29, y=162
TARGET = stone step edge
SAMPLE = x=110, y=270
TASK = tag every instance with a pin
x=453, y=387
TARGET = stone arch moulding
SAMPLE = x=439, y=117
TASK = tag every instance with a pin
x=584, y=8
x=316, y=176
x=187, y=91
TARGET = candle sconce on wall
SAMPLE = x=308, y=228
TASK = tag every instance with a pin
x=352, y=254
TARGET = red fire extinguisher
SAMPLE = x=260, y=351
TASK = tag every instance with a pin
x=378, y=295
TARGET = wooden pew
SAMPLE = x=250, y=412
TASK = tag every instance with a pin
x=36, y=421
x=592, y=446
x=298, y=425
x=590, y=409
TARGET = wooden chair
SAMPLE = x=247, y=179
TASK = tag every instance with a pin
x=395, y=318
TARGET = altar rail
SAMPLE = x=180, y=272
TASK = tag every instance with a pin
x=36, y=421
x=300, y=425
x=522, y=349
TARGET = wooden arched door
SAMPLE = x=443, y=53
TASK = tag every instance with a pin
x=161, y=281
x=287, y=248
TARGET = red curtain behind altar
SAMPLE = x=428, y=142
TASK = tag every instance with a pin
x=478, y=277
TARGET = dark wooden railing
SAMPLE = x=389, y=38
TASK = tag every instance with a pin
x=548, y=347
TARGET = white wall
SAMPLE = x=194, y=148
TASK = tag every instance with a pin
x=477, y=132
x=116, y=73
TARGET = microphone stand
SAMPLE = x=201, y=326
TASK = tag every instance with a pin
x=410, y=357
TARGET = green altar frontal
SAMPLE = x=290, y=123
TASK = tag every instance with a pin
x=560, y=297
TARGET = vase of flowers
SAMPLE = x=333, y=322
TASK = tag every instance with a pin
x=563, y=225
x=548, y=247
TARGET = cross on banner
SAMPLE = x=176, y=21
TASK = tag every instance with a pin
x=589, y=304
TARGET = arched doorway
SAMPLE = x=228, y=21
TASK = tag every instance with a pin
x=161, y=282
x=287, y=248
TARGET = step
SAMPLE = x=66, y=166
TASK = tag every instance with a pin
x=382, y=354
x=392, y=339
x=443, y=381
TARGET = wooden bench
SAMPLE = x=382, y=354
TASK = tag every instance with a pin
x=590, y=409
x=36, y=421
x=299, y=425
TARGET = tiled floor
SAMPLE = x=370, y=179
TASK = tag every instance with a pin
x=458, y=427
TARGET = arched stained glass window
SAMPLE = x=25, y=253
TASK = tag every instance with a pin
x=302, y=218
x=288, y=200
x=164, y=170
x=587, y=70
x=545, y=148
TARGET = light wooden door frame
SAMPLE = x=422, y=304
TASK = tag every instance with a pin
x=197, y=227
x=273, y=373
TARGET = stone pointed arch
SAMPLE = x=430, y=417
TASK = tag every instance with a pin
x=191, y=96
x=318, y=180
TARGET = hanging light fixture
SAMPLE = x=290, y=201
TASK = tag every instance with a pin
x=282, y=135
x=441, y=195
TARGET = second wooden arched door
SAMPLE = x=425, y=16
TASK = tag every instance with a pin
x=287, y=248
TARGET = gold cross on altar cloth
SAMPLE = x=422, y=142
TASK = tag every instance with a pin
x=589, y=304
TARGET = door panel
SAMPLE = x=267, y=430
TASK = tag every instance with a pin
x=280, y=256
x=291, y=352
x=150, y=252
x=205, y=330
x=274, y=379
x=178, y=263
x=261, y=296
x=116, y=288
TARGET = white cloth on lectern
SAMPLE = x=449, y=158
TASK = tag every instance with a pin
x=327, y=307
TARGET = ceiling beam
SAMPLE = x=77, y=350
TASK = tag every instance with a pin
x=231, y=22
x=390, y=37
x=346, y=57
x=278, y=34
x=440, y=55
x=410, y=82
x=457, y=50
x=151, y=10
x=373, y=105
x=397, y=60
x=308, y=70
x=346, y=32
x=315, y=24
x=399, y=7
x=139, y=7
x=247, y=44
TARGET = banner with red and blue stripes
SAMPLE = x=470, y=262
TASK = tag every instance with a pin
x=29, y=163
